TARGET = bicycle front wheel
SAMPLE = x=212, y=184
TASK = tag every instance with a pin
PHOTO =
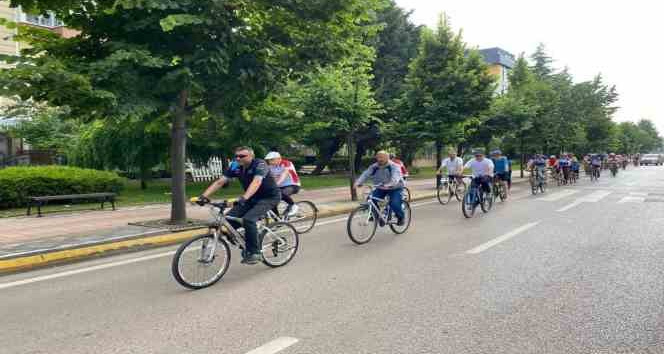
x=443, y=193
x=201, y=262
x=305, y=217
x=468, y=205
x=405, y=194
x=487, y=202
x=407, y=212
x=361, y=225
x=280, y=243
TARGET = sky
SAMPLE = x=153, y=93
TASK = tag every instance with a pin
x=622, y=40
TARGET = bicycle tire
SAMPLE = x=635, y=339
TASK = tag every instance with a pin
x=276, y=247
x=443, y=193
x=408, y=213
x=487, y=202
x=372, y=221
x=405, y=194
x=304, y=223
x=460, y=191
x=176, y=264
x=467, y=206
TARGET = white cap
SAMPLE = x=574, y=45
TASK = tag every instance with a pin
x=272, y=155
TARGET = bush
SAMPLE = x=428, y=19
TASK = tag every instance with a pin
x=19, y=183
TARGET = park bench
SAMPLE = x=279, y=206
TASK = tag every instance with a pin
x=44, y=200
x=308, y=169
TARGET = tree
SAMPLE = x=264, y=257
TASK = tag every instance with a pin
x=542, y=62
x=446, y=86
x=171, y=58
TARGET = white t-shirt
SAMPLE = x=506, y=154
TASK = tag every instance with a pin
x=480, y=168
x=453, y=165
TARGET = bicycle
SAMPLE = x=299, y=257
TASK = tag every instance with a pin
x=446, y=190
x=537, y=181
x=303, y=220
x=499, y=189
x=594, y=173
x=614, y=169
x=203, y=260
x=475, y=195
x=365, y=219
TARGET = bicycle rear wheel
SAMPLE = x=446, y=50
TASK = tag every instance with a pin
x=201, y=261
x=361, y=225
x=279, y=244
x=443, y=193
x=407, y=212
x=305, y=217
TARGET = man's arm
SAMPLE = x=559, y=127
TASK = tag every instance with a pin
x=489, y=168
x=253, y=187
x=440, y=169
x=363, y=177
x=460, y=169
x=215, y=187
x=282, y=177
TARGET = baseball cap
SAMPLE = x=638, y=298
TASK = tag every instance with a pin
x=272, y=155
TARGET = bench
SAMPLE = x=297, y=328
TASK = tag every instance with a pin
x=308, y=169
x=41, y=201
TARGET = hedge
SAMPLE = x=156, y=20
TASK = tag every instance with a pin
x=19, y=183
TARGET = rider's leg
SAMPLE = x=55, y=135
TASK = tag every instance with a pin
x=286, y=193
x=395, y=202
x=255, y=212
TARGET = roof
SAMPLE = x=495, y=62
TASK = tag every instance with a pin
x=498, y=56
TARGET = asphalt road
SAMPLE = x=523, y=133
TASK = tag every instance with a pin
x=577, y=270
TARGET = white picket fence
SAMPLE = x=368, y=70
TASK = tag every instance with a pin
x=209, y=172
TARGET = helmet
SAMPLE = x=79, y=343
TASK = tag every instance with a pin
x=272, y=155
x=496, y=152
x=478, y=152
x=552, y=156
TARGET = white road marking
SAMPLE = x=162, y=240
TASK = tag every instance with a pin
x=136, y=260
x=591, y=198
x=485, y=246
x=638, y=194
x=560, y=195
x=274, y=346
x=84, y=270
x=630, y=199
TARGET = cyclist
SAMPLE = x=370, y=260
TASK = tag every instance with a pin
x=501, y=168
x=287, y=180
x=596, y=163
x=553, y=161
x=386, y=176
x=482, y=170
x=454, y=166
x=260, y=195
x=537, y=164
x=404, y=170
x=564, y=165
x=575, y=166
x=613, y=162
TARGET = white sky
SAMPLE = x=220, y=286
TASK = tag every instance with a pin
x=623, y=40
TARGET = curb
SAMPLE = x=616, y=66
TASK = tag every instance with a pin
x=138, y=242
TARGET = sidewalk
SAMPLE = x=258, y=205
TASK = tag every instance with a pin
x=24, y=237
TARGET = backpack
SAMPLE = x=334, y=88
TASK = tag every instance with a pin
x=375, y=169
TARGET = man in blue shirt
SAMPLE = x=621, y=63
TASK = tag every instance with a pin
x=501, y=168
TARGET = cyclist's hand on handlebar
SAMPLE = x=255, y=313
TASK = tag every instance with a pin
x=200, y=200
x=240, y=201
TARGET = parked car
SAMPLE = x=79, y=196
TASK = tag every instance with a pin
x=652, y=159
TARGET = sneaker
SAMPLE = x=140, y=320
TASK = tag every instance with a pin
x=252, y=259
x=293, y=210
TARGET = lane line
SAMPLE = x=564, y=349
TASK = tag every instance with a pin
x=570, y=206
x=591, y=198
x=485, y=246
x=559, y=195
x=84, y=270
x=275, y=346
x=136, y=260
x=630, y=199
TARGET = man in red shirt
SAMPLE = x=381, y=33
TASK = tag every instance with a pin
x=402, y=166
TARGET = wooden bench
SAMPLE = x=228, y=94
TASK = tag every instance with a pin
x=43, y=200
x=308, y=169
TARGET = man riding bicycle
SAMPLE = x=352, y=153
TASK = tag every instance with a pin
x=261, y=194
x=564, y=165
x=482, y=171
x=287, y=179
x=502, y=168
x=454, y=166
x=386, y=177
x=596, y=164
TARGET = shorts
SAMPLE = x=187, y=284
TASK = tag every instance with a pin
x=504, y=176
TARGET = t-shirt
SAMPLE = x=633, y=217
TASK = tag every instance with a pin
x=292, y=179
x=596, y=161
x=564, y=162
x=501, y=164
x=480, y=168
x=389, y=174
x=268, y=188
x=453, y=165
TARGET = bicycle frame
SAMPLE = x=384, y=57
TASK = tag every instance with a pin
x=375, y=209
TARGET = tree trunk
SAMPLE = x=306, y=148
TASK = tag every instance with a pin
x=178, y=152
x=360, y=150
x=439, y=153
x=460, y=150
x=144, y=176
x=351, y=166
x=326, y=152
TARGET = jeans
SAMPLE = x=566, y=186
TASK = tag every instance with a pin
x=483, y=181
x=395, y=199
x=250, y=212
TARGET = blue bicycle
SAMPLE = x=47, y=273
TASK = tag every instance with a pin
x=476, y=196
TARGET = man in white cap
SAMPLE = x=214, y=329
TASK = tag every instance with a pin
x=286, y=177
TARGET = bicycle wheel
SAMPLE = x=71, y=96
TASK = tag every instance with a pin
x=361, y=225
x=279, y=244
x=487, y=202
x=201, y=261
x=468, y=204
x=542, y=187
x=407, y=212
x=405, y=194
x=460, y=191
x=443, y=193
x=305, y=218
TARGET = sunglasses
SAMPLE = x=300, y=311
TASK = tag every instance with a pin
x=240, y=156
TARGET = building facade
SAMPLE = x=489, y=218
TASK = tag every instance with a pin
x=501, y=63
